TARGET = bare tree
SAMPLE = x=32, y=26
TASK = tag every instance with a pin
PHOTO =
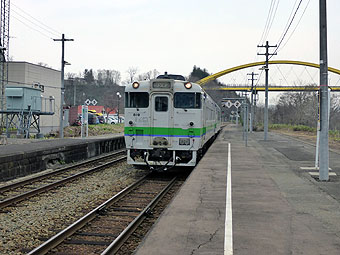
x=116, y=77
x=70, y=75
x=132, y=71
x=152, y=74
x=155, y=73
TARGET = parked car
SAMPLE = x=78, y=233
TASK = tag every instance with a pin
x=112, y=120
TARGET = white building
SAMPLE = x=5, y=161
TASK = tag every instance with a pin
x=48, y=80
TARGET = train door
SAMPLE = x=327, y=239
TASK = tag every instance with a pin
x=161, y=120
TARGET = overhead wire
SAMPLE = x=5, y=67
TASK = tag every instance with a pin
x=295, y=26
x=42, y=33
x=272, y=20
x=267, y=21
x=52, y=30
x=285, y=33
x=289, y=18
x=33, y=23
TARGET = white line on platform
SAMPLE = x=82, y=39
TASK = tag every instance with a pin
x=311, y=168
x=228, y=224
x=317, y=174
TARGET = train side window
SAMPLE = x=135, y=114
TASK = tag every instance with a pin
x=187, y=100
x=161, y=104
x=136, y=100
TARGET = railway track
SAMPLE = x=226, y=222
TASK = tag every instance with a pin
x=107, y=227
x=19, y=191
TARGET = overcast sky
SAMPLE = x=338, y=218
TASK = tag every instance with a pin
x=167, y=35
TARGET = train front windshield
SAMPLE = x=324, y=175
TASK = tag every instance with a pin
x=187, y=100
x=137, y=100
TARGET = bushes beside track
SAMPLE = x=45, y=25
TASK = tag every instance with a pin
x=94, y=130
x=333, y=134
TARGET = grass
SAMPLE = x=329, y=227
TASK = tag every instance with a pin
x=291, y=127
x=333, y=134
x=94, y=130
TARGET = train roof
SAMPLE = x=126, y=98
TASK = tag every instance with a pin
x=171, y=76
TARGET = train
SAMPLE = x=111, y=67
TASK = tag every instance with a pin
x=168, y=122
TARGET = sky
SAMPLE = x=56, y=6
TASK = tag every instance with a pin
x=168, y=35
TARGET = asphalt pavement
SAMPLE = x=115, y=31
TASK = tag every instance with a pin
x=277, y=206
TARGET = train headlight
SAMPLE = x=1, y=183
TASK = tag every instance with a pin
x=135, y=85
x=191, y=123
x=188, y=85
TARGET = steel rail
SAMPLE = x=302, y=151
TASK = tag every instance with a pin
x=58, y=171
x=61, y=236
x=47, y=187
x=119, y=241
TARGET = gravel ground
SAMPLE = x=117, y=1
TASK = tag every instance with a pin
x=43, y=216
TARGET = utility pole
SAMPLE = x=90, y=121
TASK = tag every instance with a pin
x=252, y=100
x=63, y=63
x=265, y=120
x=324, y=125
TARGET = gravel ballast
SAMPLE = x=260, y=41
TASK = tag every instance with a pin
x=23, y=227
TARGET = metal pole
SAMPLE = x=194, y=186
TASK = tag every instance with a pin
x=62, y=92
x=119, y=96
x=251, y=109
x=265, y=124
x=61, y=124
x=266, y=95
x=324, y=126
x=317, y=146
x=254, y=119
x=74, y=92
x=246, y=124
x=252, y=100
x=244, y=121
x=118, y=110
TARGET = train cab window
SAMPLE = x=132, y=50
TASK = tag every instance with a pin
x=161, y=104
x=136, y=100
x=187, y=100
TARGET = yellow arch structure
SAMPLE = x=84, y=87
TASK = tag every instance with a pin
x=275, y=62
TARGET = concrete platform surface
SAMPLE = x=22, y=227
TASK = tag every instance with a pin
x=16, y=146
x=277, y=208
x=24, y=157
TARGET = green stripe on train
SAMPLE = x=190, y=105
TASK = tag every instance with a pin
x=163, y=131
x=167, y=131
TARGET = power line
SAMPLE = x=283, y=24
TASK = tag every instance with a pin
x=272, y=20
x=267, y=21
x=43, y=34
x=33, y=23
x=290, y=16
x=278, y=45
x=46, y=26
x=295, y=26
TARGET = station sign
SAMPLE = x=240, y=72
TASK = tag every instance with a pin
x=229, y=104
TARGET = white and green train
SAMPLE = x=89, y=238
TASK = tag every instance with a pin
x=168, y=122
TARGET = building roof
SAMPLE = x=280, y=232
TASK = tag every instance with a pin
x=28, y=63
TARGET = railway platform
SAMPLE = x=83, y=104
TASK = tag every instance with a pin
x=277, y=207
x=21, y=157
